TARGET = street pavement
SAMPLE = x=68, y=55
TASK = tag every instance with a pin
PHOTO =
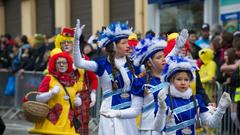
x=20, y=127
x=17, y=127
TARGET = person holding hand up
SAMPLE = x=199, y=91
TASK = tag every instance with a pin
x=179, y=111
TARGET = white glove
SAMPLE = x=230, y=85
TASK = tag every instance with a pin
x=225, y=101
x=55, y=90
x=74, y=67
x=161, y=99
x=46, y=96
x=76, y=50
x=77, y=100
x=78, y=30
x=182, y=38
x=111, y=113
x=93, y=98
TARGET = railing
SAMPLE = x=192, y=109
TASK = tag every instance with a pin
x=230, y=125
x=29, y=81
x=24, y=83
x=5, y=101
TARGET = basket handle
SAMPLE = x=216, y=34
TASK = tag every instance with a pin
x=28, y=94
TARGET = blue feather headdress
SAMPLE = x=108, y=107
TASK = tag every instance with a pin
x=146, y=48
x=113, y=32
x=176, y=64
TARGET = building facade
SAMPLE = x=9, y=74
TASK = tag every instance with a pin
x=230, y=14
x=173, y=15
x=28, y=17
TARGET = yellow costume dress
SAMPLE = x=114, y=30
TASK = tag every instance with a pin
x=63, y=124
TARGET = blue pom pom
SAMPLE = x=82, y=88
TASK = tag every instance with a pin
x=165, y=69
x=106, y=37
x=142, y=41
x=149, y=36
x=124, y=26
x=144, y=49
x=112, y=27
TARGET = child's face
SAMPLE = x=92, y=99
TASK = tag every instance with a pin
x=181, y=81
x=158, y=60
x=122, y=48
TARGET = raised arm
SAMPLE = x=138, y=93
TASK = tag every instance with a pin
x=230, y=68
x=180, y=42
x=160, y=119
x=213, y=120
x=79, y=61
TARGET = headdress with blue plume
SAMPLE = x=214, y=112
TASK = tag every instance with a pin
x=146, y=48
x=175, y=64
x=113, y=32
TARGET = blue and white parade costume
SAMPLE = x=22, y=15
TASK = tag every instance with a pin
x=179, y=111
x=149, y=106
x=183, y=114
x=143, y=52
x=145, y=100
x=112, y=99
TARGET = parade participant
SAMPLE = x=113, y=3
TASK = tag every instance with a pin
x=149, y=52
x=196, y=85
x=143, y=97
x=60, y=90
x=65, y=41
x=115, y=72
x=180, y=112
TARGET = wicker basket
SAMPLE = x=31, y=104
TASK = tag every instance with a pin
x=34, y=111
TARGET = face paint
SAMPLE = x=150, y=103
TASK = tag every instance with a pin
x=62, y=65
x=67, y=46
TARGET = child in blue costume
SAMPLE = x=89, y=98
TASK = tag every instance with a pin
x=179, y=111
x=149, y=52
x=115, y=74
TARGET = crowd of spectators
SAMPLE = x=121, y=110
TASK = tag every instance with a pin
x=23, y=54
x=216, y=46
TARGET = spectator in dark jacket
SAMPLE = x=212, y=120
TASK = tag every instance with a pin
x=194, y=49
x=5, y=61
x=37, y=60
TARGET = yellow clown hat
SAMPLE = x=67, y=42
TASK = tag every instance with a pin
x=133, y=36
x=67, y=34
x=172, y=36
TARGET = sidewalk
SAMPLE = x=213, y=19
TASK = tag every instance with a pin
x=17, y=127
x=20, y=127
